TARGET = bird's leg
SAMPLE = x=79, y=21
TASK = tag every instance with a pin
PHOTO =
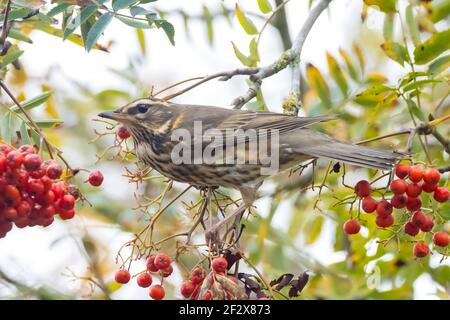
x=211, y=233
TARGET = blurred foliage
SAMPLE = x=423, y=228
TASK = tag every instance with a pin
x=355, y=86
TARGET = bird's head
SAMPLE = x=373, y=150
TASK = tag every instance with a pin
x=143, y=114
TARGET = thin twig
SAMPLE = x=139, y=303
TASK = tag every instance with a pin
x=5, y=28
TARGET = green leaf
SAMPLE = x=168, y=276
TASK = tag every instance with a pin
x=209, y=26
x=246, y=23
x=337, y=74
x=418, y=84
x=97, y=30
x=24, y=134
x=388, y=26
x=133, y=23
x=253, y=48
x=382, y=5
x=5, y=127
x=58, y=9
x=313, y=229
x=318, y=84
x=414, y=109
x=49, y=123
x=169, y=30
x=412, y=25
x=18, y=35
x=122, y=4
x=18, y=13
x=440, y=64
x=139, y=11
x=439, y=10
x=246, y=61
x=264, y=6
x=85, y=28
x=34, y=102
x=395, y=51
x=13, y=54
x=348, y=62
x=433, y=47
x=78, y=20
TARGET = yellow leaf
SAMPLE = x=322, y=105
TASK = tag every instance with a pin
x=317, y=82
x=50, y=106
x=245, y=22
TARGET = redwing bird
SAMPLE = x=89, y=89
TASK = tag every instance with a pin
x=152, y=122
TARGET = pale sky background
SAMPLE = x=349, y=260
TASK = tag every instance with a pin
x=31, y=254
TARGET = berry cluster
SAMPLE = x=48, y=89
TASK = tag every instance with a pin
x=407, y=191
x=159, y=264
x=214, y=285
x=30, y=190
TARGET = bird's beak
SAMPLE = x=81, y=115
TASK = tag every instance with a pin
x=114, y=115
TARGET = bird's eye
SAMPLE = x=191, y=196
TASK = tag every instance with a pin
x=142, y=107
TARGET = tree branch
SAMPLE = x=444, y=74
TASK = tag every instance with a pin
x=288, y=57
x=257, y=74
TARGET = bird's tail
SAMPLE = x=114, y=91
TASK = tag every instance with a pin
x=324, y=146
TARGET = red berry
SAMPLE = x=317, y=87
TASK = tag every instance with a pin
x=187, y=288
x=144, y=280
x=21, y=222
x=220, y=265
x=402, y=170
x=95, y=178
x=38, y=173
x=398, y=186
x=384, y=208
x=59, y=189
x=208, y=295
x=428, y=224
x=26, y=149
x=197, y=275
x=351, y=227
x=369, y=204
x=3, y=163
x=23, y=209
x=11, y=195
x=35, y=187
x=431, y=176
x=5, y=149
x=122, y=276
x=363, y=188
x=157, y=292
x=421, y=250
x=151, y=264
x=441, y=239
x=413, y=204
x=411, y=229
x=32, y=162
x=441, y=194
x=419, y=219
x=14, y=159
x=428, y=188
x=66, y=214
x=384, y=221
x=54, y=171
x=10, y=214
x=416, y=173
x=167, y=271
x=413, y=190
x=162, y=261
x=123, y=133
x=398, y=201
x=67, y=202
